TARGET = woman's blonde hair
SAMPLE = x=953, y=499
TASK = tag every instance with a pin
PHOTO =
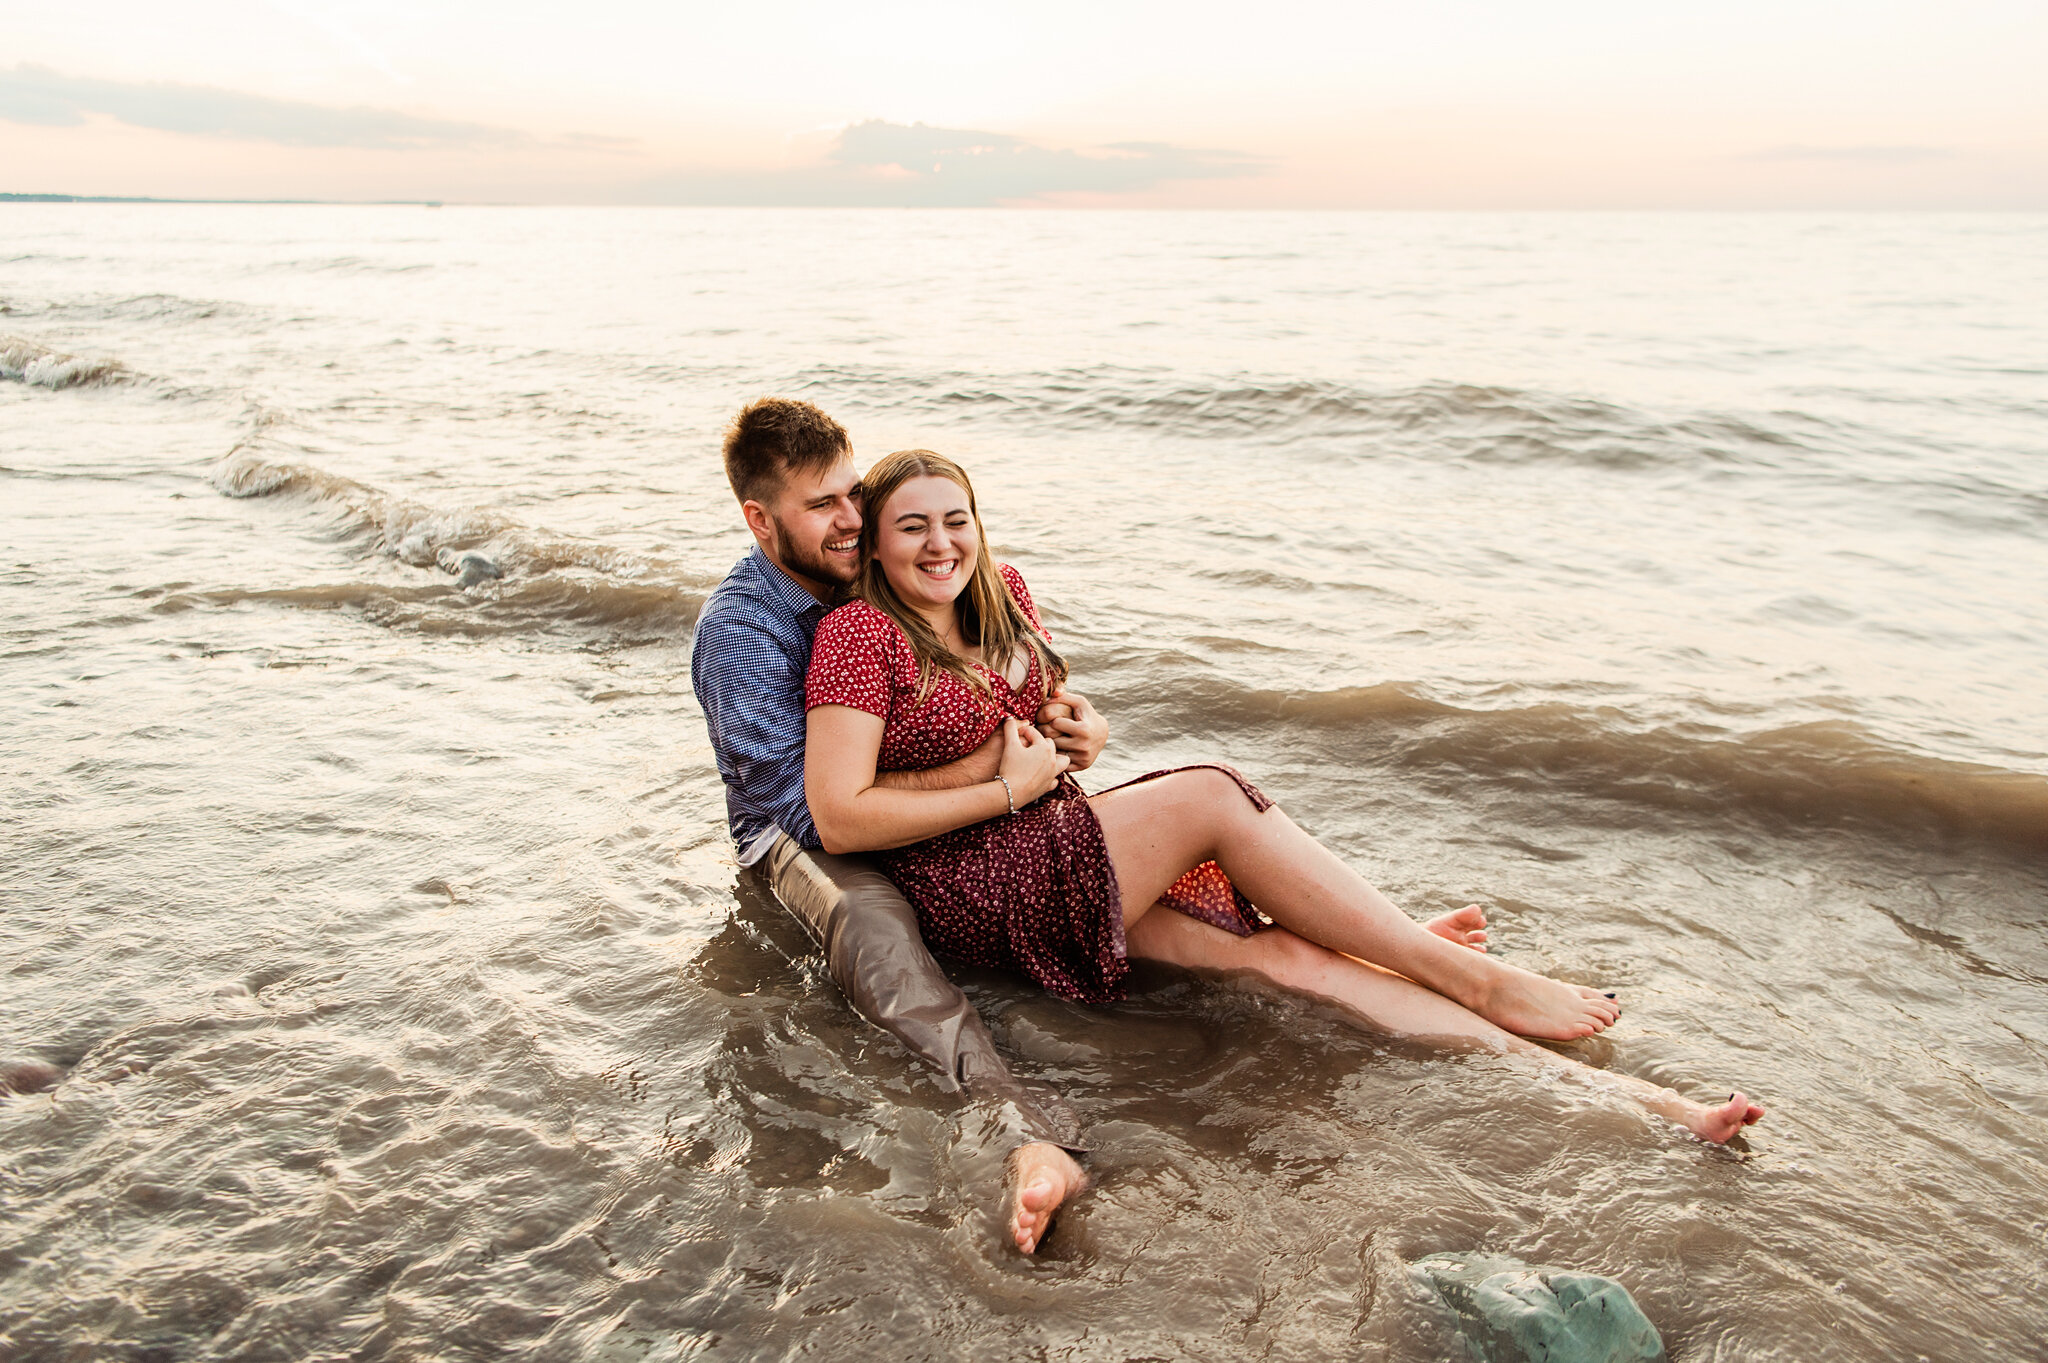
x=990, y=617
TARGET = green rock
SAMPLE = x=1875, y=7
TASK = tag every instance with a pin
x=1509, y=1312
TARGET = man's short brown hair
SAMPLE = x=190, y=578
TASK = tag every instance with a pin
x=772, y=437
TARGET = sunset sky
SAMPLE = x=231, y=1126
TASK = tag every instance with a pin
x=1457, y=104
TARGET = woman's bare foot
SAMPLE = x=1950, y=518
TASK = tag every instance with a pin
x=1042, y=1178
x=1527, y=1004
x=1466, y=926
x=1717, y=1124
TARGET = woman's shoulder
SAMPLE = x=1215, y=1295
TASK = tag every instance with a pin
x=850, y=612
x=856, y=625
x=856, y=660
x=1014, y=580
x=1020, y=593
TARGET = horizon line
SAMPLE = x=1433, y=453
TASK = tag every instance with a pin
x=10, y=197
x=150, y=199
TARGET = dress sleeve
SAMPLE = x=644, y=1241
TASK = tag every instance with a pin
x=850, y=661
x=1014, y=580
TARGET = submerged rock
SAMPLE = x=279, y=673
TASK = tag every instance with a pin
x=1510, y=1312
x=27, y=1076
x=475, y=568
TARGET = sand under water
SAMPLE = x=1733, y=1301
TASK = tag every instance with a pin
x=1672, y=585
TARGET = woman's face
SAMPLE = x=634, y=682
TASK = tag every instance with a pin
x=925, y=541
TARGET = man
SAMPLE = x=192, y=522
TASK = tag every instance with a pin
x=791, y=467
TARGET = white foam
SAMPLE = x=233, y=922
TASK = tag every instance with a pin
x=29, y=362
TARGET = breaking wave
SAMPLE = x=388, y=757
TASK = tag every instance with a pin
x=502, y=576
x=31, y=362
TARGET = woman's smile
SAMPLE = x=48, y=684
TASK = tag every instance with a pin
x=926, y=543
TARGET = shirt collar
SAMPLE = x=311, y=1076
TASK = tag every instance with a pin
x=783, y=588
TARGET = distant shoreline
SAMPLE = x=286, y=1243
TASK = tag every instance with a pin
x=1026, y=206
x=132, y=199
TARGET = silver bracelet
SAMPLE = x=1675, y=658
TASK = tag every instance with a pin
x=1008, y=794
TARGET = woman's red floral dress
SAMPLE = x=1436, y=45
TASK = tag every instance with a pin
x=1034, y=891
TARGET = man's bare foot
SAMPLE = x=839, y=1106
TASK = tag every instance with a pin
x=1717, y=1124
x=1466, y=926
x=1528, y=1004
x=1042, y=1178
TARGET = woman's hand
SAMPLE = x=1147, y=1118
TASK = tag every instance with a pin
x=1030, y=763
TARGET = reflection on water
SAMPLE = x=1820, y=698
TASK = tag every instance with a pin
x=1667, y=585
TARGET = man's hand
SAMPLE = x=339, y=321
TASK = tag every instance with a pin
x=1075, y=727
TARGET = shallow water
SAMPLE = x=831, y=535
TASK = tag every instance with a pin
x=1670, y=584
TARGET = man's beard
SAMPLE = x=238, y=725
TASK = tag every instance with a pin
x=810, y=561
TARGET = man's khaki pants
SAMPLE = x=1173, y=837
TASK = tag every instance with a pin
x=878, y=958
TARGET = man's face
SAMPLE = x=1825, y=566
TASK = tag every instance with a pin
x=811, y=527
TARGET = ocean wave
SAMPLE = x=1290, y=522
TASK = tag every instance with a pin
x=146, y=307
x=31, y=362
x=631, y=613
x=1822, y=774
x=1475, y=422
x=344, y=265
x=508, y=576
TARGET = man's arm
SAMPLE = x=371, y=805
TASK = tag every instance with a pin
x=753, y=700
x=1069, y=719
x=752, y=695
x=853, y=814
x=972, y=770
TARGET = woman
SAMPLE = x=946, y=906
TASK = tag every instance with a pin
x=1028, y=872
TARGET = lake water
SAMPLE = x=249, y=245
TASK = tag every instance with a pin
x=1676, y=586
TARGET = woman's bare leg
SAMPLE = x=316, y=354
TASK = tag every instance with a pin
x=1386, y=1002
x=1158, y=830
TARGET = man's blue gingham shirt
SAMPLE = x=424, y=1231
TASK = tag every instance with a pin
x=747, y=667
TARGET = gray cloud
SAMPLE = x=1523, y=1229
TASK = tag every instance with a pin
x=37, y=95
x=600, y=141
x=1873, y=155
x=894, y=165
